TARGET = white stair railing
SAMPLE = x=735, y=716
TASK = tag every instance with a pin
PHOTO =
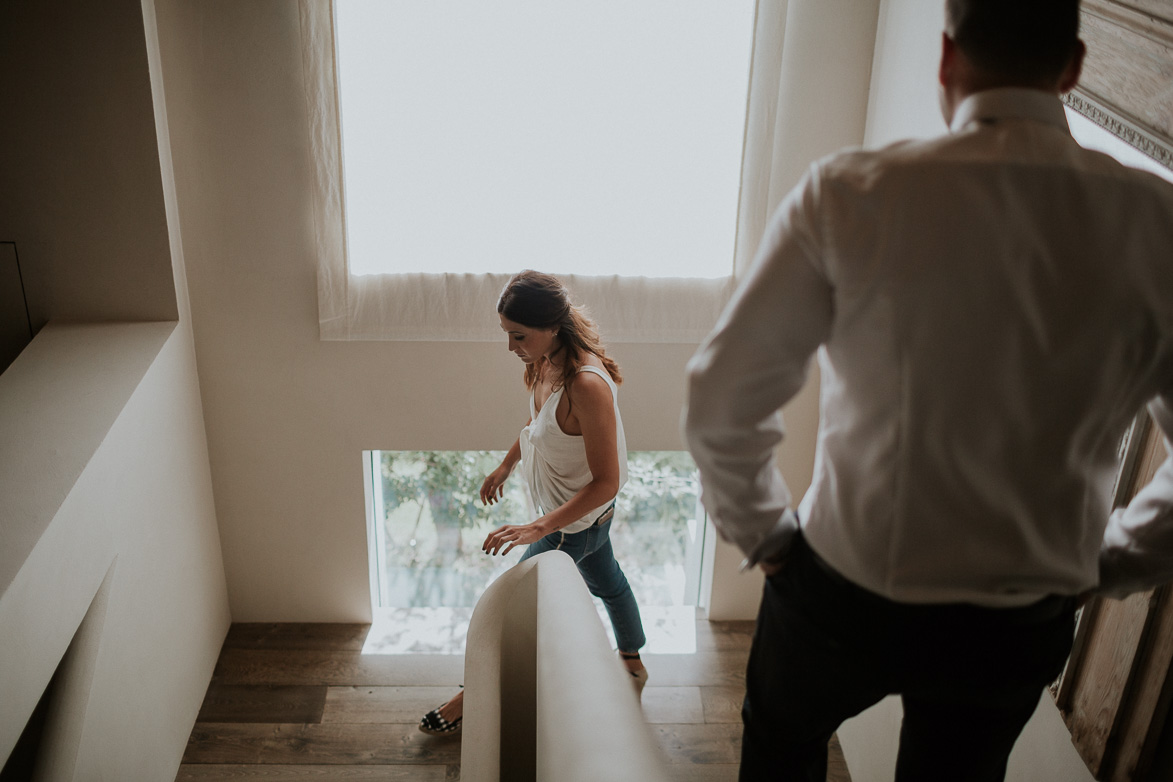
x=545, y=696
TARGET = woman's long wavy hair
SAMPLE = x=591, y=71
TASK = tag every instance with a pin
x=541, y=301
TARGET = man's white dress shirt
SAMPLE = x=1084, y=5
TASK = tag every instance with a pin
x=989, y=309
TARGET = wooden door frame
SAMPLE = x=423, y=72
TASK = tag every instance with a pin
x=1116, y=689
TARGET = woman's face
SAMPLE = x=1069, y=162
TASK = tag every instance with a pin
x=528, y=344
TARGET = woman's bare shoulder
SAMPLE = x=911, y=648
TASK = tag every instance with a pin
x=590, y=359
x=589, y=385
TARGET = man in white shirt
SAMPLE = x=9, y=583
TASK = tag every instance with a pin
x=989, y=310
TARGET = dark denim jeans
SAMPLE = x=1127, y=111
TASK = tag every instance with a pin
x=825, y=650
x=591, y=551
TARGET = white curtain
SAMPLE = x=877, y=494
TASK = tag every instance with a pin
x=462, y=306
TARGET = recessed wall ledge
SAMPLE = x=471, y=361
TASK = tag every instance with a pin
x=58, y=401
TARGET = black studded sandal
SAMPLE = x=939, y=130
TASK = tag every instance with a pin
x=435, y=725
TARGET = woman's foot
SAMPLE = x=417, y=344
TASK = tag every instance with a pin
x=445, y=720
x=635, y=667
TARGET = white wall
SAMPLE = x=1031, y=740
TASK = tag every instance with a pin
x=903, y=104
x=1043, y=752
x=903, y=99
x=80, y=191
x=822, y=100
x=288, y=415
x=106, y=514
x=58, y=401
x=138, y=509
x=168, y=610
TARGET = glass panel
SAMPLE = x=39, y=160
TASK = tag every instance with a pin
x=656, y=537
x=435, y=525
x=429, y=525
x=537, y=122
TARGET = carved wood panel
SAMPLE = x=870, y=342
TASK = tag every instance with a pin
x=1141, y=724
x=1161, y=9
x=1100, y=684
x=1127, y=82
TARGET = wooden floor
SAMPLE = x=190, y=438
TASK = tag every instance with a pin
x=300, y=702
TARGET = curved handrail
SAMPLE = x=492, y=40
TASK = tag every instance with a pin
x=546, y=697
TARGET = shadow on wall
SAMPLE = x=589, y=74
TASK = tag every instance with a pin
x=16, y=322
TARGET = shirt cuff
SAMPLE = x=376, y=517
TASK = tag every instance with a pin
x=776, y=542
x=1127, y=562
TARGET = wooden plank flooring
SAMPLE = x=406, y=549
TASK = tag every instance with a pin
x=300, y=702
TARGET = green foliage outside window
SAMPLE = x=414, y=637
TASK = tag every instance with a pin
x=435, y=524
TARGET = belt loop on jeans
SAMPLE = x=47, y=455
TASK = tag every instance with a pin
x=606, y=515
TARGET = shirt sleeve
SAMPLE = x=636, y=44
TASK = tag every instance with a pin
x=754, y=361
x=1137, y=552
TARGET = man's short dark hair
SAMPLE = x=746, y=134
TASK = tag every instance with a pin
x=1015, y=40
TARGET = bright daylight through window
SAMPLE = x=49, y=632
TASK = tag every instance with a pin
x=427, y=525
x=594, y=138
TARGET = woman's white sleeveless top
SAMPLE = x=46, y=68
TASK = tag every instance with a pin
x=554, y=463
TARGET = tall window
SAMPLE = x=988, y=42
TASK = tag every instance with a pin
x=593, y=138
x=427, y=525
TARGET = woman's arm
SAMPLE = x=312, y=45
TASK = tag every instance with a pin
x=595, y=410
x=493, y=487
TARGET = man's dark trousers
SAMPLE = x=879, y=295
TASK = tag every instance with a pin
x=825, y=649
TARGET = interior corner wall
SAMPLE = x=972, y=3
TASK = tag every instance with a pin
x=84, y=191
x=106, y=481
x=904, y=105
x=80, y=189
x=822, y=104
x=287, y=414
x=167, y=611
x=823, y=94
x=138, y=517
x=1043, y=753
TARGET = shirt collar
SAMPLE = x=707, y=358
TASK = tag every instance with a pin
x=1010, y=103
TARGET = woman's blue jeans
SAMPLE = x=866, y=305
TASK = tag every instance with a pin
x=591, y=551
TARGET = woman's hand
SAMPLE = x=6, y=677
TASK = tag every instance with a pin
x=511, y=536
x=493, y=488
